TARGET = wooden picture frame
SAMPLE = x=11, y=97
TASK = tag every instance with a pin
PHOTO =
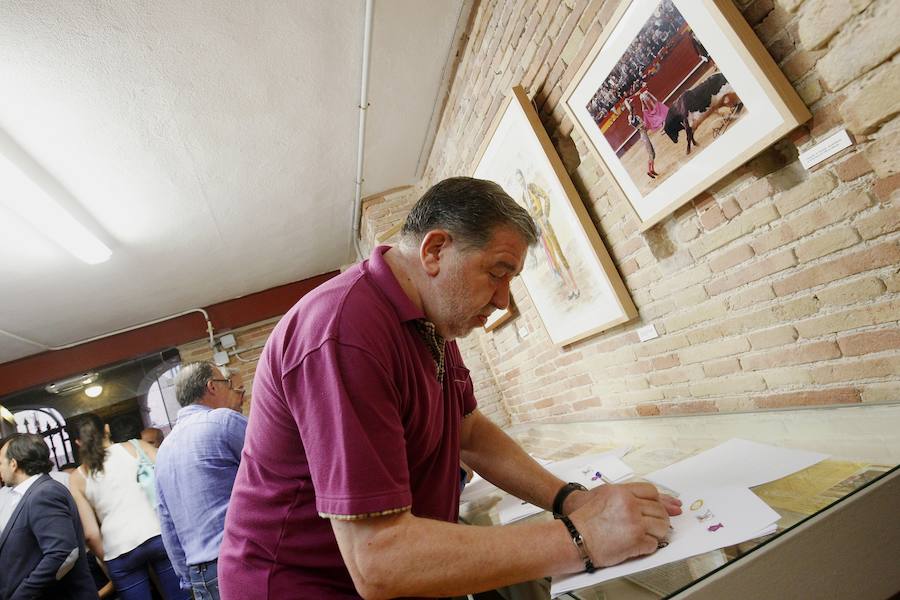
x=647, y=79
x=569, y=275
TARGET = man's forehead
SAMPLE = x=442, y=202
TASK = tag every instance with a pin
x=515, y=269
x=507, y=248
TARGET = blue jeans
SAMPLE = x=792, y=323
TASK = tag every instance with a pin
x=131, y=576
x=205, y=581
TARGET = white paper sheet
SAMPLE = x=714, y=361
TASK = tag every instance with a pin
x=590, y=471
x=736, y=462
x=712, y=519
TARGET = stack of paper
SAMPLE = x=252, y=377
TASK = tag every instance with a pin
x=590, y=471
x=719, y=510
x=735, y=462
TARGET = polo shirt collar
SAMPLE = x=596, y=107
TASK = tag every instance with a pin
x=380, y=273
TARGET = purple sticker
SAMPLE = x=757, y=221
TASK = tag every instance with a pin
x=715, y=527
x=596, y=476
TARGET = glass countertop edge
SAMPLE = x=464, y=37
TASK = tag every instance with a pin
x=778, y=534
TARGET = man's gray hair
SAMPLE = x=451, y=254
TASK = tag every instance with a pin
x=190, y=383
x=470, y=209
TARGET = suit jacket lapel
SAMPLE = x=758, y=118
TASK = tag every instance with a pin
x=20, y=507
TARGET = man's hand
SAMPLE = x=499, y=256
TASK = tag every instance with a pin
x=578, y=498
x=620, y=521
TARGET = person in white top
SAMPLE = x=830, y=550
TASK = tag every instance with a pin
x=120, y=522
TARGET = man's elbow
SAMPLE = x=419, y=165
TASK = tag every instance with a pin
x=375, y=552
x=372, y=578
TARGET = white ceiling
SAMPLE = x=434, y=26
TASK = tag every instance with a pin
x=211, y=145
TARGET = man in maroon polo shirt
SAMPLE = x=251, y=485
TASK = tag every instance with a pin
x=362, y=409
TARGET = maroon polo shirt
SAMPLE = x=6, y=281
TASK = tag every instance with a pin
x=348, y=419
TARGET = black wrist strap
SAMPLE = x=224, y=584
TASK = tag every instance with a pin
x=579, y=544
x=561, y=496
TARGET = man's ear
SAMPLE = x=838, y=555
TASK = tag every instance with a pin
x=433, y=244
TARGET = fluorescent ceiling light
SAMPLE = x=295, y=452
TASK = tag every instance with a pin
x=27, y=199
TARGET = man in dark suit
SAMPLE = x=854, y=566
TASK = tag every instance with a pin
x=41, y=539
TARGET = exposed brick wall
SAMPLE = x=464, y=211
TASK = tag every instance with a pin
x=383, y=215
x=777, y=287
x=250, y=339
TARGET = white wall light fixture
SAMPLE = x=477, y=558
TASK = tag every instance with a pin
x=27, y=199
x=92, y=391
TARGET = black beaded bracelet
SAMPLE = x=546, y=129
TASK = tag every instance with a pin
x=562, y=494
x=579, y=543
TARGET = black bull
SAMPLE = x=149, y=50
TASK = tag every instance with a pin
x=696, y=104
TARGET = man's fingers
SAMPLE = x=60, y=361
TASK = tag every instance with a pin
x=657, y=527
x=673, y=505
x=670, y=499
x=652, y=508
x=647, y=491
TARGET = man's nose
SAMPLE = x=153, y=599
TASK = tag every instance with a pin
x=501, y=296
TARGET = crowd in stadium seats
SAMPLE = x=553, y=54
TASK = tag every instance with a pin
x=628, y=76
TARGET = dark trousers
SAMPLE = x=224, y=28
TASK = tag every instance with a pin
x=130, y=572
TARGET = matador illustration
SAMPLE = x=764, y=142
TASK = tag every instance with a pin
x=537, y=201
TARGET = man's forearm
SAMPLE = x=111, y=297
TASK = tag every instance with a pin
x=499, y=459
x=403, y=555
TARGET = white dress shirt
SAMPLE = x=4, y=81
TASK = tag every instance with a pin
x=10, y=500
x=6, y=495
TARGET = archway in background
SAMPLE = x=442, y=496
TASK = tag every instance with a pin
x=51, y=425
x=159, y=407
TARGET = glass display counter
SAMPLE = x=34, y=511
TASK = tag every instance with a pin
x=839, y=532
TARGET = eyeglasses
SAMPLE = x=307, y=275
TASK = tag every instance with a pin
x=230, y=383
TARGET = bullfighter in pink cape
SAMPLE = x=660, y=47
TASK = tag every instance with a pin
x=653, y=110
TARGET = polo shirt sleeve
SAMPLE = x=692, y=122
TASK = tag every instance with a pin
x=347, y=409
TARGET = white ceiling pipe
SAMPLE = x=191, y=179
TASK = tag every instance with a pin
x=209, y=330
x=363, y=107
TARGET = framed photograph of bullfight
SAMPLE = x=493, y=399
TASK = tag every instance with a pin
x=569, y=275
x=675, y=95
